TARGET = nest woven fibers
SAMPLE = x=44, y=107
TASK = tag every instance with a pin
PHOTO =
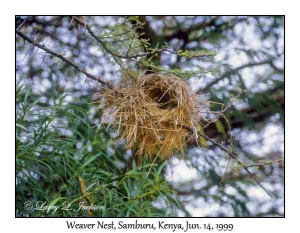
x=149, y=112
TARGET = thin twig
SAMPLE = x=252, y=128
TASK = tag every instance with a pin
x=226, y=74
x=61, y=57
x=266, y=163
x=176, y=52
x=231, y=154
x=21, y=24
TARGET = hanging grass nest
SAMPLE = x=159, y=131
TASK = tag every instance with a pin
x=149, y=113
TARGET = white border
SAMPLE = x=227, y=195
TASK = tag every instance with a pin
x=239, y=7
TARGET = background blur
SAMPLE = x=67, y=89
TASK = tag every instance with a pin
x=61, y=143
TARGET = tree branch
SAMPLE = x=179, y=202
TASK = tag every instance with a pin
x=250, y=113
x=231, y=154
x=103, y=44
x=226, y=74
x=61, y=57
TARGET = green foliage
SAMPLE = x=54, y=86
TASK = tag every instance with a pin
x=56, y=144
x=191, y=54
x=202, y=140
x=220, y=127
x=186, y=74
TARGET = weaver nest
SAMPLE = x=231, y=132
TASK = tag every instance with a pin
x=151, y=112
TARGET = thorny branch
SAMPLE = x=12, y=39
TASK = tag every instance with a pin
x=126, y=56
x=61, y=57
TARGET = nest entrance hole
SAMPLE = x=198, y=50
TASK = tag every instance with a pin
x=164, y=99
